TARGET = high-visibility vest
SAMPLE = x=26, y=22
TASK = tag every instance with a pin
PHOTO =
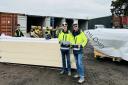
x=80, y=39
x=18, y=33
x=65, y=39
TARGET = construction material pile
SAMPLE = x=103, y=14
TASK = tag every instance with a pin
x=34, y=51
x=112, y=42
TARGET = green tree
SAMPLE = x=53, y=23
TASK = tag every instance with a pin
x=120, y=7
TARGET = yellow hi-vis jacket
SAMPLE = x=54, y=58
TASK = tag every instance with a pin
x=47, y=31
x=65, y=40
x=80, y=39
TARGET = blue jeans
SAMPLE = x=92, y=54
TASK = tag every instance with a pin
x=79, y=64
x=66, y=60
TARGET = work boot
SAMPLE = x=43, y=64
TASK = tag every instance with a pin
x=81, y=80
x=62, y=72
x=76, y=76
x=69, y=73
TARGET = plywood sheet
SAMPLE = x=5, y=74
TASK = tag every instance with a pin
x=34, y=53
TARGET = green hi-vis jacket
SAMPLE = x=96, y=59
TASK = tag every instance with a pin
x=80, y=39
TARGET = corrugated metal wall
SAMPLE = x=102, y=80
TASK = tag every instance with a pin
x=8, y=22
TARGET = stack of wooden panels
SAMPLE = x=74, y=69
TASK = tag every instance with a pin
x=43, y=53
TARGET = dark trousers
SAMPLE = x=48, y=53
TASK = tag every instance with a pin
x=66, y=60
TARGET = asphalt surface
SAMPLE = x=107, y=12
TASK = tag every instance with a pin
x=98, y=72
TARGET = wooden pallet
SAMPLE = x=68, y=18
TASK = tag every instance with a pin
x=98, y=54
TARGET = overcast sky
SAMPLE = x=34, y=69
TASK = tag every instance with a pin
x=67, y=8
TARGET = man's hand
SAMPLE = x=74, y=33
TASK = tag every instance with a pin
x=79, y=46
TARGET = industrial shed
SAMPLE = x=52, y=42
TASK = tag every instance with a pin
x=9, y=21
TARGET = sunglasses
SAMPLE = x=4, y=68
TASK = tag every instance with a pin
x=75, y=26
x=64, y=24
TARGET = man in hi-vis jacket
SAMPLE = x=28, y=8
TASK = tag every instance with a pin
x=65, y=43
x=79, y=42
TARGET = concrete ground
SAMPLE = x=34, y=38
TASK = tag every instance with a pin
x=98, y=72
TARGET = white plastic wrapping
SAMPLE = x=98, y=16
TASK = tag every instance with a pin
x=112, y=42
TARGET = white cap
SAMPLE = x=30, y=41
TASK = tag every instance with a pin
x=75, y=22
